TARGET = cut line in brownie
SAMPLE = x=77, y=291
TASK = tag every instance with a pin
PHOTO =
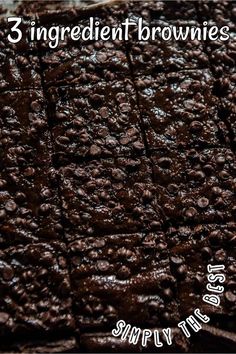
x=196, y=186
x=102, y=342
x=179, y=110
x=35, y=291
x=191, y=250
x=29, y=206
x=122, y=277
x=95, y=120
x=24, y=134
x=109, y=196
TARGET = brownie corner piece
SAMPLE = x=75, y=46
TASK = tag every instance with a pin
x=95, y=120
x=24, y=133
x=35, y=295
x=109, y=196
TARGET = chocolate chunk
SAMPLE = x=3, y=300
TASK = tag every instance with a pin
x=109, y=196
x=179, y=110
x=98, y=120
x=35, y=299
x=115, y=276
x=24, y=134
x=29, y=206
x=196, y=186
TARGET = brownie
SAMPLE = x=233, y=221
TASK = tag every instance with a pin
x=179, y=110
x=222, y=56
x=62, y=345
x=95, y=120
x=156, y=56
x=24, y=135
x=19, y=67
x=213, y=340
x=84, y=63
x=105, y=342
x=122, y=277
x=165, y=11
x=29, y=206
x=196, y=186
x=223, y=13
x=109, y=196
x=191, y=250
x=35, y=291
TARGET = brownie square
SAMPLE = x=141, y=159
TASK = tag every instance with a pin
x=154, y=56
x=24, y=134
x=29, y=207
x=88, y=63
x=19, y=67
x=95, y=120
x=122, y=277
x=35, y=291
x=179, y=110
x=109, y=196
x=196, y=186
x=191, y=250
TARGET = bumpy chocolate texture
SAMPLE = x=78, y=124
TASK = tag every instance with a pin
x=134, y=270
x=191, y=250
x=179, y=110
x=19, y=67
x=95, y=120
x=24, y=134
x=115, y=198
x=35, y=290
x=109, y=196
x=196, y=186
x=29, y=206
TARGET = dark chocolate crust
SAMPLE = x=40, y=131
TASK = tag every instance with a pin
x=117, y=180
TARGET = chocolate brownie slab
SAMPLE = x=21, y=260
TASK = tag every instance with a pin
x=109, y=196
x=95, y=120
x=104, y=342
x=179, y=110
x=19, y=67
x=24, y=135
x=191, y=250
x=196, y=186
x=122, y=277
x=29, y=207
x=35, y=291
